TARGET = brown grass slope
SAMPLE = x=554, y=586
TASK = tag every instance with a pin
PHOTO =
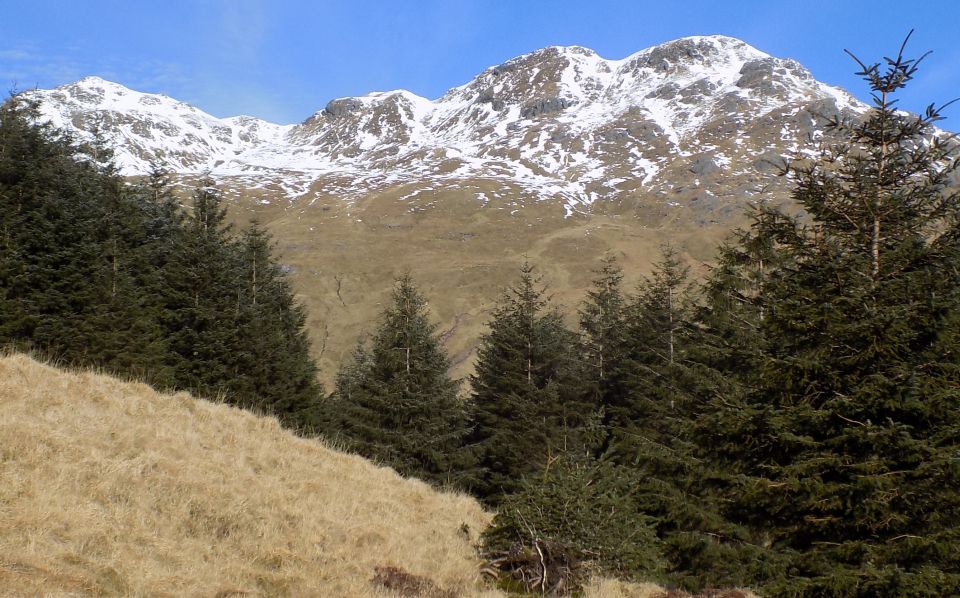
x=108, y=488
x=344, y=256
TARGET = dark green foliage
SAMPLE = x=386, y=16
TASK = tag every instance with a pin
x=526, y=399
x=200, y=282
x=603, y=327
x=273, y=363
x=578, y=511
x=728, y=339
x=654, y=365
x=77, y=253
x=651, y=411
x=94, y=271
x=395, y=403
x=235, y=329
x=849, y=423
x=604, y=348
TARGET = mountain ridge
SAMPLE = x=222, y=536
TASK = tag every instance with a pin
x=558, y=157
x=559, y=122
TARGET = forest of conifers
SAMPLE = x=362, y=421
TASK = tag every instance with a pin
x=789, y=423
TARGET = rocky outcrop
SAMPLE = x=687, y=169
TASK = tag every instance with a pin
x=342, y=107
x=704, y=166
x=488, y=96
x=681, y=53
x=696, y=92
x=546, y=106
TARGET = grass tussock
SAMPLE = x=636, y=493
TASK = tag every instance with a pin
x=110, y=488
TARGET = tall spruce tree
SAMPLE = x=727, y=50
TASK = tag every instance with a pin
x=396, y=403
x=235, y=328
x=272, y=362
x=728, y=320
x=96, y=271
x=722, y=348
x=656, y=341
x=47, y=262
x=848, y=460
x=603, y=342
x=652, y=414
x=75, y=284
x=526, y=401
x=200, y=308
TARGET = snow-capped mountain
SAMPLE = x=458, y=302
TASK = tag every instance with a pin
x=699, y=118
x=665, y=146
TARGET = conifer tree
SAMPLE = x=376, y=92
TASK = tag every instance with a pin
x=272, y=363
x=651, y=416
x=729, y=319
x=396, y=403
x=848, y=461
x=95, y=271
x=602, y=319
x=655, y=343
x=201, y=299
x=75, y=283
x=579, y=511
x=603, y=341
x=527, y=404
x=234, y=327
x=39, y=188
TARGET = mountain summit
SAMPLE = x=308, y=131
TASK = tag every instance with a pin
x=561, y=122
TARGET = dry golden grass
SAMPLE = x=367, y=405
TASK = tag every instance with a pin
x=613, y=588
x=109, y=488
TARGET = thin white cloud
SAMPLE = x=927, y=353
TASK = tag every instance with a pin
x=243, y=28
x=16, y=54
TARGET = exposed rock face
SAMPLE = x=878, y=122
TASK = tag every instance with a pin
x=704, y=166
x=546, y=106
x=559, y=124
x=338, y=108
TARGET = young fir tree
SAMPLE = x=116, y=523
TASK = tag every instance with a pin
x=848, y=458
x=272, y=363
x=579, y=511
x=395, y=403
x=527, y=405
x=603, y=341
x=127, y=313
x=200, y=309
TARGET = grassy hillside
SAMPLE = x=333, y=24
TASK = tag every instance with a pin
x=461, y=253
x=110, y=488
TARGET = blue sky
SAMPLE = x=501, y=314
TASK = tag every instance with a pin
x=284, y=59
